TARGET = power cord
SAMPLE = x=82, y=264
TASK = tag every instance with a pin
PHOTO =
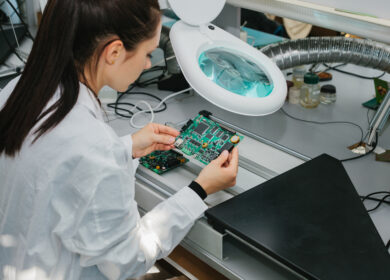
x=324, y=123
x=386, y=194
x=131, y=114
x=339, y=122
x=118, y=105
x=313, y=69
x=152, y=110
x=383, y=200
x=335, y=68
x=379, y=200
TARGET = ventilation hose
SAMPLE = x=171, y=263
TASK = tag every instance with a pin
x=312, y=50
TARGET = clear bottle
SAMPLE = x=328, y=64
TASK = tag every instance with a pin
x=297, y=76
x=310, y=91
x=294, y=95
x=328, y=94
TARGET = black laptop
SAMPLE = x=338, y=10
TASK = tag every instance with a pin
x=312, y=220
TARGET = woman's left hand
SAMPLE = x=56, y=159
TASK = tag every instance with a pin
x=153, y=137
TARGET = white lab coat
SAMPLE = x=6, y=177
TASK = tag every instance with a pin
x=67, y=208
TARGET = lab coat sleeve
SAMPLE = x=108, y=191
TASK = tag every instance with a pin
x=110, y=232
x=128, y=142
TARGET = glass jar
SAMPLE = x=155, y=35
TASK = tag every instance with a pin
x=297, y=76
x=310, y=91
x=294, y=95
x=328, y=94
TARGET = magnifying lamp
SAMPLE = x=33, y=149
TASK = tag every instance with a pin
x=222, y=68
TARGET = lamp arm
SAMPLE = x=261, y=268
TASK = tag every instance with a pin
x=379, y=120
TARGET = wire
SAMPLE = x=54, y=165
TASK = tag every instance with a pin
x=152, y=109
x=379, y=203
x=335, y=68
x=323, y=123
x=10, y=45
x=138, y=83
x=375, y=199
x=117, y=106
x=366, y=154
x=129, y=113
x=379, y=200
x=13, y=29
x=21, y=19
x=341, y=122
x=313, y=68
x=369, y=196
x=145, y=83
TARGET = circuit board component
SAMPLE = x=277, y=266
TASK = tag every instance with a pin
x=205, y=140
x=163, y=161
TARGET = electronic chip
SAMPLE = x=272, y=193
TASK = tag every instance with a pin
x=209, y=136
x=194, y=142
x=228, y=146
x=201, y=128
x=225, y=137
x=214, y=129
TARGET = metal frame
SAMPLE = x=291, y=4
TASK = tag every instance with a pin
x=380, y=118
x=328, y=17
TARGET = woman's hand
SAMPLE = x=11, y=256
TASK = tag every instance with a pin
x=221, y=173
x=153, y=137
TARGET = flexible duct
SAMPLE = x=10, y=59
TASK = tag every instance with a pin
x=311, y=50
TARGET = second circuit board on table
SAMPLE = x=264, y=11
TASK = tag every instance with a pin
x=205, y=139
x=163, y=161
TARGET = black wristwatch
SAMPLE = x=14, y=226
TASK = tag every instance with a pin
x=198, y=189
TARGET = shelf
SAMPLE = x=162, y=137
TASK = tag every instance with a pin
x=365, y=26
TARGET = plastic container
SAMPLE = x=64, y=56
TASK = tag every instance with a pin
x=310, y=91
x=328, y=94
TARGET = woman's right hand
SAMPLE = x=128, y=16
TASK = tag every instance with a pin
x=220, y=173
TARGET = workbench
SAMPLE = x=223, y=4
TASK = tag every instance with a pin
x=284, y=143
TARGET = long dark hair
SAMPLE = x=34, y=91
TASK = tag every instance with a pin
x=72, y=32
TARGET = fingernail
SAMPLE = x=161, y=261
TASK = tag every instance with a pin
x=171, y=140
x=225, y=152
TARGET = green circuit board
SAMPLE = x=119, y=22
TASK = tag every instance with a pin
x=205, y=140
x=163, y=161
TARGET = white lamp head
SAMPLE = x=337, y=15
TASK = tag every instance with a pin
x=197, y=12
x=220, y=67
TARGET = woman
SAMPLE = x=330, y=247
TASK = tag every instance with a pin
x=67, y=208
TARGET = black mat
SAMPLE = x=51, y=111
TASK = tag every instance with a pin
x=310, y=219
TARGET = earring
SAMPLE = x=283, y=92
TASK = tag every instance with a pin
x=112, y=62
